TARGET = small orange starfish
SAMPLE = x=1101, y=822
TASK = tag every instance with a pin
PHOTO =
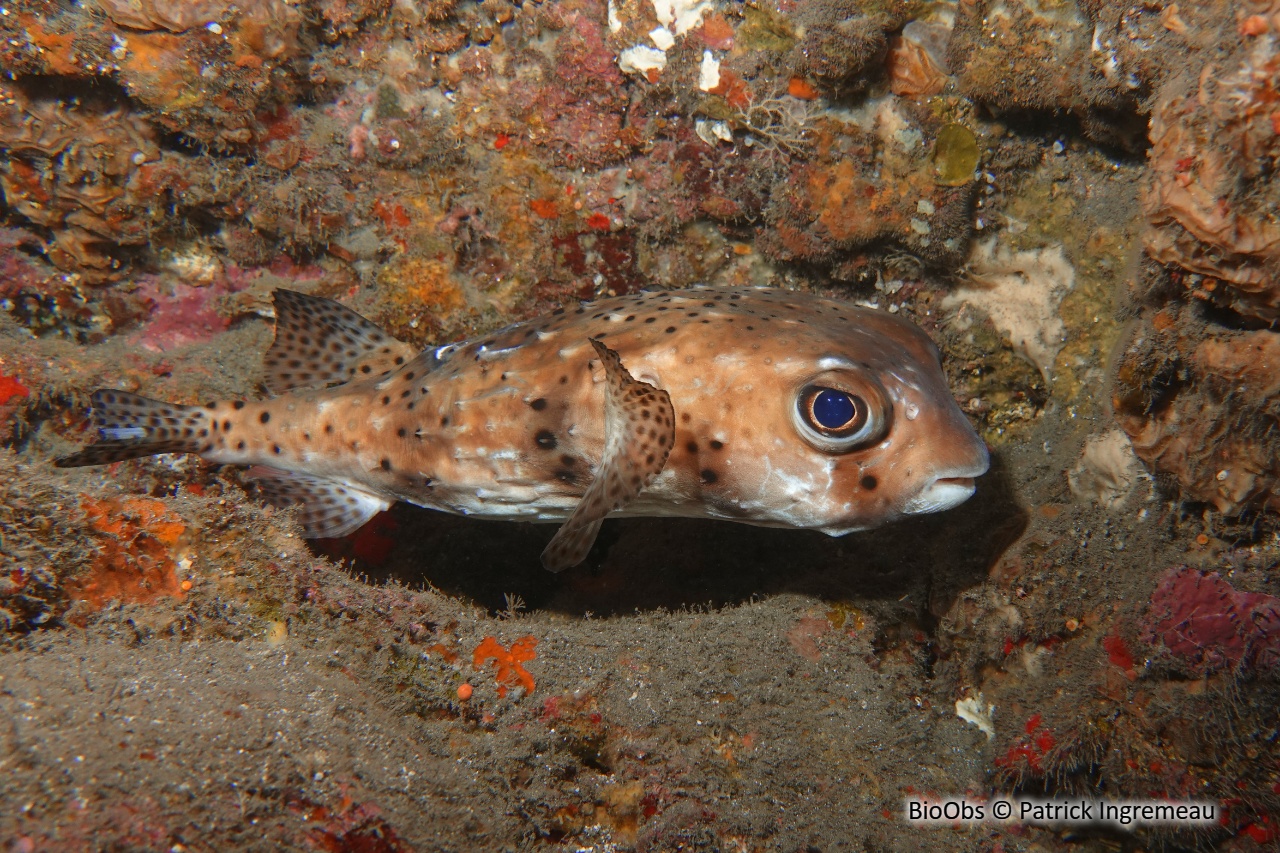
x=510, y=669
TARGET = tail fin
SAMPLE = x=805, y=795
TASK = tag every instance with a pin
x=130, y=426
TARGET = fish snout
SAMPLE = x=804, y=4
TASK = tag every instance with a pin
x=950, y=487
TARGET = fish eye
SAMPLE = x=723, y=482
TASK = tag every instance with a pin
x=831, y=411
x=839, y=419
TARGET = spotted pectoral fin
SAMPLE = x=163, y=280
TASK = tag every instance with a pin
x=326, y=508
x=320, y=343
x=639, y=426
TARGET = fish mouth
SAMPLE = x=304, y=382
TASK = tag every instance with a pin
x=940, y=494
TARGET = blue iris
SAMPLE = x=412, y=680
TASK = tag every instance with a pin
x=833, y=409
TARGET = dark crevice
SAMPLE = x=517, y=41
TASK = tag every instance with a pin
x=96, y=93
x=1119, y=134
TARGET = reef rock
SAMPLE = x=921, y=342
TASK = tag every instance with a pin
x=1211, y=201
x=1201, y=404
x=66, y=171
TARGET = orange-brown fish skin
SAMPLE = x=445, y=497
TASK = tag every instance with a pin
x=512, y=426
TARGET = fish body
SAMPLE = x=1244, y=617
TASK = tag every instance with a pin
x=754, y=405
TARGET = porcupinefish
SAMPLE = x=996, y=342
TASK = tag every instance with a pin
x=749, y=404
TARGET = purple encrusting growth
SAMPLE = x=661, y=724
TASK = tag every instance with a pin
x=1203, y=620
x=695, y=403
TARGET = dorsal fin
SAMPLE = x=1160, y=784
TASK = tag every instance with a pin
x=639, y=428
x=320, y=343
x=326, y=508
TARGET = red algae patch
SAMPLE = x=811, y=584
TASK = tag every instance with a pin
x=10, y=387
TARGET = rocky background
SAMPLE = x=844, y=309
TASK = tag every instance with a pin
x=1077, y=198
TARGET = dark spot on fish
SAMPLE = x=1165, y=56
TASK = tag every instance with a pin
x=685, y=417
x=399, y=359
x=215, y=426
x=568, y=461
x=444, y=422
x=869, y=482
x=328, y=429
x=650, y=319
x=364, y=368
x=692, y=447
x=402, y=432
x=385, y=464
x=211, y=406
x=238, y=404
x=265, y=417
x=546, y=439
x=707, y=476
x=564, y=380
x=275, y=448
x=226, y=426
x=239, y=445
x=539, y=404
x=717, y=445
x=670, y=329
x=565, y=476
x=386, y=400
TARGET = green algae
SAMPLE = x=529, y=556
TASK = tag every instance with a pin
x=955, y=155
x=765, y=30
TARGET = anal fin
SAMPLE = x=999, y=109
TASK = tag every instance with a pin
x=639, y=426
x=326, y=508
x=320, y=343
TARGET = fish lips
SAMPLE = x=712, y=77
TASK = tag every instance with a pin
x=947, y=489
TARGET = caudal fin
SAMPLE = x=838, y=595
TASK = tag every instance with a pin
x=130, y=426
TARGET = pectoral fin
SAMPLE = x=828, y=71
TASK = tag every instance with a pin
x=639, y=426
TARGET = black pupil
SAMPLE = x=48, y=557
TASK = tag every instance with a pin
x=833, y=409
